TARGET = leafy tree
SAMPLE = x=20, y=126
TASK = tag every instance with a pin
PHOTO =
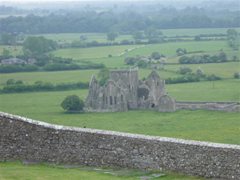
x=10, y=82
x=138, y=35
x=199, y=72
x=156, y=55
x=153, y=35
x=83, y=38
x=130, y=60
x=222, y=56
x=7, y=39
x=181, y=51
x=233, y=38
x=235, y=58
x=111, y=36
x=142, y=64
x=197, y=38
x=33, y=46
x=236, y=75
x=72, y=104
x=185, y=70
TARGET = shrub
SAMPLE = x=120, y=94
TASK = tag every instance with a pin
x=205, y=58
x=130, y=60
x=17, y=68
x=156, y=55
x=10, y=82
x=199, y=72
x=213, y=77
x=185, y=70
x=72, y=103
x=236, y=75
x=181, y=51
x=142, y=64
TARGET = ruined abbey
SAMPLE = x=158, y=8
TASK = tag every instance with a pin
x=124, y=91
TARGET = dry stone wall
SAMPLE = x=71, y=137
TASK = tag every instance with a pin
x=30, y=140
x=215, y=106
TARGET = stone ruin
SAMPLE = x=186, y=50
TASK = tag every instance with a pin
x=124, y=91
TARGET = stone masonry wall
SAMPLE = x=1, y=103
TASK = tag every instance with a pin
x=215, y=106
x=26, y=139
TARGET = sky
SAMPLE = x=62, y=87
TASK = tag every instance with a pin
x=57, y=0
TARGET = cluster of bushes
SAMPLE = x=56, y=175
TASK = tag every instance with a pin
x=13, y=86
x=48, y=63
x=18, y=68
x=192, y=78
x=181, y=51
x=236, y=75
x=142, y=61
x=73, y=66
x=189, y=76
x=183, y=79
x=206, y=58
x=83, y=44
x=48, y=67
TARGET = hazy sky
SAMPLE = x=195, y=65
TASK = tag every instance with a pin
x=23, y=1
x=57, y=0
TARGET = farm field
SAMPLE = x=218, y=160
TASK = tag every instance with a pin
x=224, y=90
x=70, y=37
x=224, y=70
x=197, y=125
x=95, y=52
x=100, y=54
x=53, y=77
x=67, y=76
x=101, y=37
x=194, y=32
x=169, y=49
x=14, y=50
x=18, y=171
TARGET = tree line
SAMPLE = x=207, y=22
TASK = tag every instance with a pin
x=17, y=86
x=206, y=58
x=126, y=21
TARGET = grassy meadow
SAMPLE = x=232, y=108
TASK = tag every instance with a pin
x=68, y=76
x=95, y=52
x=19, y=171
x=224, y=70
x=14, y=50
x=197, y=125
x=101, y=37
x=70, y=37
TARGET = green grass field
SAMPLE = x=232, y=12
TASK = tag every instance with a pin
x=214, y=126
x=53, y=77
x=70, y=37
x=194, y=32
x=224, y=70
x=100, y=54
x=169, y=49
x=19, y=171
x=14, y=50
x=224, y=90
x=67, y=76
x=94, y=52
x=198, y=125
x=101, y=37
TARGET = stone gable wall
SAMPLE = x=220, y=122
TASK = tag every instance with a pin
x=30, y=140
